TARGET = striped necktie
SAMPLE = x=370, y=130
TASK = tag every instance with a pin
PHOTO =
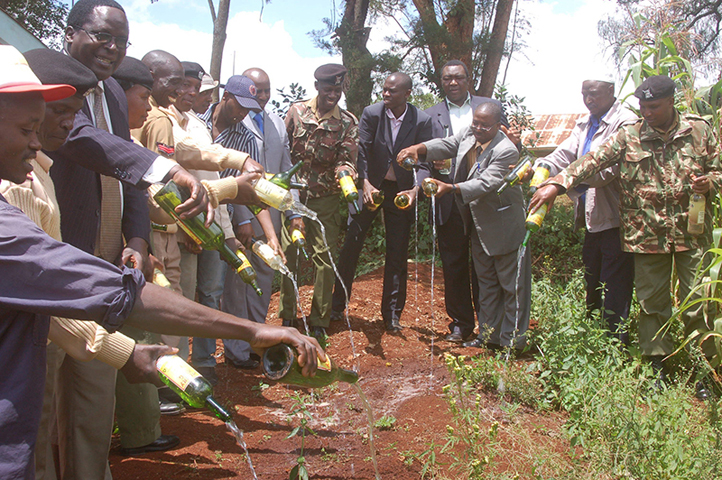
x=109, y=243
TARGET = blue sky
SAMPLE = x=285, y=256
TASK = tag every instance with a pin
x=564, y=48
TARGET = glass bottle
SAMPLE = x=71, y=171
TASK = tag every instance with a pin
x=348, y=188
x=299, y=239
x=271, y=258
x=430, y=187
x=280, y=363
x=210, y=238
x=516, y=174
x=541, y=173
x=160, y=279
x=409, y=164
x=534, y=222
x=273, y=195
x=190, y=385
x=402, y=201
x=377, y=198
x=695, y=221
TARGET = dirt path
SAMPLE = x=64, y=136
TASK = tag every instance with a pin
x=398, y=375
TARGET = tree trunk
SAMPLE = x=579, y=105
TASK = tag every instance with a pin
x=352, y=37
x=496, y=48
x=220, y=22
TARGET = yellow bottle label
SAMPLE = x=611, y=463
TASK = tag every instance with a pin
x=522, y=171
x=348, y=187
x=540, y=175
x=325, y=366
x=538, y=217
x=177, y=371
x=270, y=193
x=160, y=279
x=244, y=261
x=296, y=236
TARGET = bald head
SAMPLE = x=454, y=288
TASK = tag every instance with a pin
x=167, y=74
x=263, y=85
x=493, y=110
x=402, y=80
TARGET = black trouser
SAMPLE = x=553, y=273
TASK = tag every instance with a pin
x=461, y=288
x=398, y=228
x=606, y=264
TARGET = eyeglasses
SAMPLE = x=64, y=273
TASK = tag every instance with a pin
x=105, y=38
x=480, y=128
x=450, y=78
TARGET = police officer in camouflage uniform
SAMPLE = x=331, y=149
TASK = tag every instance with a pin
x=325, y=138
x=664, y=159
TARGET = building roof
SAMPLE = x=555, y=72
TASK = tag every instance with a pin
x=549, y=132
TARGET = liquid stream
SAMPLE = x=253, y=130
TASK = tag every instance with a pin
x=370, y=416
x=238, y=433
x=433, y=261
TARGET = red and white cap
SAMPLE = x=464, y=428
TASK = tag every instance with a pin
x=17, y=77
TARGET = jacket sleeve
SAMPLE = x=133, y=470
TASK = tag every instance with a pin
x=489, y=179
x=85, y=341
x=136, y=215
x=368, y=125
x=605, y=156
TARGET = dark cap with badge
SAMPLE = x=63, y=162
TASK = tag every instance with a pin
x=244, y=90
x=53, y=67
x=331, y=73
x=133, y=72
x=654, y=88
x=192, y=69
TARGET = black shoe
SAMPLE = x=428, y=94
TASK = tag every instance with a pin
x=162, y=443
x=457, y=337
x=209, y=373
x=166, y=395
x=394, y=326
x=701, y=391
x=475, y=343
x=249, y=364
x=336, y=316
x=171, y=408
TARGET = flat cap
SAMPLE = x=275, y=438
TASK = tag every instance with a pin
x=208, y=83
x=133, y=72
x=332, y=73
x=53, y=67
x=654, y=88
x=192, y=69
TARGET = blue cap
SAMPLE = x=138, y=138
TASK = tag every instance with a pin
x=244, y=90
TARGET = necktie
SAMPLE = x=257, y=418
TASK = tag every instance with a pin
x=258, y=118
x=109, y=243
x=472, y=156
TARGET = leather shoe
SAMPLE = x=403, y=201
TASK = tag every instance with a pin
x=475, y=343
x=171, y=408
x=209, y=373
x=161, y=444
x=394, y=325
x=249, y=364
x=457, y=337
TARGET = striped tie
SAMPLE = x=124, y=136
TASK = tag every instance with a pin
x=109, y=243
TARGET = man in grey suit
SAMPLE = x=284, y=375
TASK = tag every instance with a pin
x=450, y=117
x=239, y=299
x=483, y=155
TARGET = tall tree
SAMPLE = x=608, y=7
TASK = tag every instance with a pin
x=43, y=18
x=495, y=50
x=220, y=22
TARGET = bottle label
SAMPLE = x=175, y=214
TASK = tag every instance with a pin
x=540, y=174
x=160, y=279
x=348, y=187
x=177, y=371
x=538, y=217
x=522, y=171
x=244, y=261
x=270, y=193
x=296, y=235
x=264, y=251
x=325, y=366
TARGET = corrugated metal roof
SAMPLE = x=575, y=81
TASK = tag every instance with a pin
x=550, y=131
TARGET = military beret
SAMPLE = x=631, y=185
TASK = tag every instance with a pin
x=192, y=69
x=53, y=67
x=133, y=72
x=332, y=73
x=654, y=88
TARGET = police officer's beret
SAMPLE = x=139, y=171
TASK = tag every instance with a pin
x=332, y=73
x=133, y=72
x=53, y=67
x=192, y=69
x=654, y=88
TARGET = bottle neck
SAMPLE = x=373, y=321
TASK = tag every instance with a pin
x=229, y=255
x=348, y=376
x=217, y=409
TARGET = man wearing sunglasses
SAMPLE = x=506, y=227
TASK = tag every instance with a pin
x=493, y=224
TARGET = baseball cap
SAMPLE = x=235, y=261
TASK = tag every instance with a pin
x=244, y=90
x=207, y=83
x=17, y=77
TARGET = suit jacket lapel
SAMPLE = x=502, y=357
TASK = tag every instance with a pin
x=406, y=126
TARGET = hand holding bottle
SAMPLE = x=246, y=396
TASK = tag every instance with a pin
x=443, y=187
x=368, y=191
x=136, y=252
x=308, y=348
x=545, y=195
x=701, y=184
x=141, y=366
x=411, y=152
x=197, y=202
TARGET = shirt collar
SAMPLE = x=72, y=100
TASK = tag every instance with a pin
x=180, y=117
x=390, y=114
x=451, y=104
x=44, y=161
x=313, y=105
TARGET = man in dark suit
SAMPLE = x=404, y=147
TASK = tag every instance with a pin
x=493, y=224
x=449, y=117
x=385, y=128
x=97, y=214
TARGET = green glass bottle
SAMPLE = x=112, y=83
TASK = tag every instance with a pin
x=190, y=385
x=280, y=363
x=430, y=187
x=349, y=190
x=377, y=199
x=541, y=173
x=299, y=239
x=211, y=238
x=283, y=180
x=409, y=163
x=248, y=273
x=402, y=201
x=516, y=174
x=534, y=221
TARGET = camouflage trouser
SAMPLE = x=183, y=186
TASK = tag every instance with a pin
x=327, y=209
x=652, y=278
